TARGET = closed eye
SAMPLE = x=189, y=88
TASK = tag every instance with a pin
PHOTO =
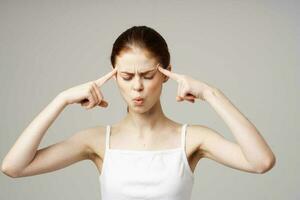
x=146, y=77
x=126, y=78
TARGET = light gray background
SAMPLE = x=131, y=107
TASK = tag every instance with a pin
x=247, y=49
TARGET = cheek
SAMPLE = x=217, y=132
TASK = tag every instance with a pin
x=152, y=85
x=123, y=87
x=154, y=88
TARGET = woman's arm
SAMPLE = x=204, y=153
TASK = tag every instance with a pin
x=251, y=147
x=23, y=159
x=24, y=149
x=251, y=153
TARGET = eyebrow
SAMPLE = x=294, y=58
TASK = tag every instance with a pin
x=145, y=72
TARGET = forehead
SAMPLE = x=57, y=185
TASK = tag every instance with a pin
x=136, y=60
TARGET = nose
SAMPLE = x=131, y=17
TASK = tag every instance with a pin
x=137, y=84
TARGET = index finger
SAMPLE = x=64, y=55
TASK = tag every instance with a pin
x=168, y=73
x=106, y=77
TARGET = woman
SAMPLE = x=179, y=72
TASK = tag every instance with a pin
x=146, y=154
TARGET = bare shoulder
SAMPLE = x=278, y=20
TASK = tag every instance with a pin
x=94, y=138
x=209, y=140
x=201, y=133
x=196, y=134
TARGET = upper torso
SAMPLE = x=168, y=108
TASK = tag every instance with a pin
x=169, y=138
x=156, y=174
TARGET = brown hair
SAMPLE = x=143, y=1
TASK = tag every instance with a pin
x=145, y=38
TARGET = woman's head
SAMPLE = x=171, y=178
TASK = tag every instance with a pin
x=136, y=53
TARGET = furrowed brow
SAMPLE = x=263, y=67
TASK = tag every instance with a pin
x=129, y=73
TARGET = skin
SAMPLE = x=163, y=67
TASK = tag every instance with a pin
x=144, y=127
x=145, y=119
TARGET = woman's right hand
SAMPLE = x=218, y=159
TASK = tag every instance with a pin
x=88, y=94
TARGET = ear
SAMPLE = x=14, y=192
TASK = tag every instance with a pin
x=166, y=78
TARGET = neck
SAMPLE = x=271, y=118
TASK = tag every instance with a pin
x=145, y=122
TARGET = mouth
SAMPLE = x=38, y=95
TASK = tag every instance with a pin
x=138, y=101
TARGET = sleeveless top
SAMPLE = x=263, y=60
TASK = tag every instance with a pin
x=146, y=174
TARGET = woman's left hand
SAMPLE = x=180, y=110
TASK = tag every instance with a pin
x=188, y=89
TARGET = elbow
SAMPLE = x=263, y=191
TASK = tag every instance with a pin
x=8, y=171
x=267, y=165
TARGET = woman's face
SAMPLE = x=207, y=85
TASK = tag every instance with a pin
x=138, y=76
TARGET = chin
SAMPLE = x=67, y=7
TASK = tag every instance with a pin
x=139, y=109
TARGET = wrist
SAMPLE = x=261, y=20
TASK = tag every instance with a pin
x=61, y=99
x=209, y=93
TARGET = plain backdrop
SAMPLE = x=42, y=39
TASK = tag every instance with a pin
x=247, y=49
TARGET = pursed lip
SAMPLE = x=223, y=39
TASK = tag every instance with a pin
x=138, y=98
